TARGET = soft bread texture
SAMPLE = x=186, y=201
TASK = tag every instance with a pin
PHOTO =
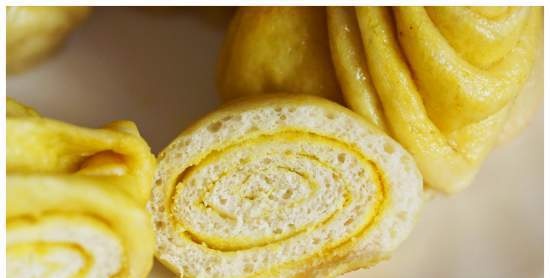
x=282, y=186
x=34, y=33
x=76, y=198
x=445, y=82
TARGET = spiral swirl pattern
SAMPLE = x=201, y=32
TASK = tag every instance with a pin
x=76, y=199
x=280, y=187
x=439, y=94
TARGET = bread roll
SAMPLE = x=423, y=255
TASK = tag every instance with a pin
x=282, y=186
x=76, y=198
x=448, y=79
x=274, y=49
x=34, y=33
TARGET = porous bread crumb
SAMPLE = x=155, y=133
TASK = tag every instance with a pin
x=362, y=189
x=73, y=243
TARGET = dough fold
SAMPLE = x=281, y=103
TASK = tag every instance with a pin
x=439, y=94
x=76, y=198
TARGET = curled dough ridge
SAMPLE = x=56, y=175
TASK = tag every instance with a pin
x=444, y=102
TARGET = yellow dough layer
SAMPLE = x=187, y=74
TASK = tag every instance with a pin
x=444, y=82
x=76, y=198
x=282, y=186
x=442, y=97
x=34, y=33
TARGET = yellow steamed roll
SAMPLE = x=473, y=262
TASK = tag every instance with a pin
x=34, y=33
x=76, y=198
x=445, y=78
x=282, y=186
x=274, y=49
x=446, y=82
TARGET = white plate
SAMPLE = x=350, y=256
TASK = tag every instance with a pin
x=158, y=70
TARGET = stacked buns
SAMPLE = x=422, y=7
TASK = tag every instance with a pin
x=272, y=185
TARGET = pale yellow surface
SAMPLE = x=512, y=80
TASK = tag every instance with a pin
x=34, y=33
x=441, y=100
x=274, y=49
x=76, y=198
x=492, y=229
